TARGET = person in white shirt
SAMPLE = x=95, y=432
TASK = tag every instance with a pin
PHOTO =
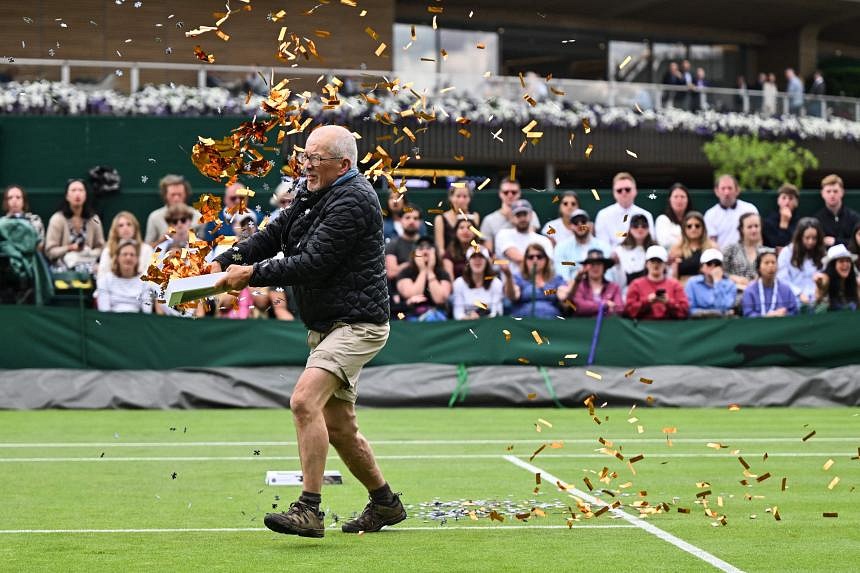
x=502, y=218
x=612, y=223
x=561, y=228
x=511, y=243
x=479, y=292
x=121, y=289
x=630, y=254
x=576, y=248
x=124, y=227
x=801, y=260
x=669, y=222
x=722, y=219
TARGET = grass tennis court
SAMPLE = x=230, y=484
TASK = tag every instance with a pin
x=111, y=472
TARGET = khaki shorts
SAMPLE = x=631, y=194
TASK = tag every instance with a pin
x=344, y=350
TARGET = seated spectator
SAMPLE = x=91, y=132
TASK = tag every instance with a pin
x=685, y=255
x=711, y=293
x=655, y=296
x=16, y=206
x=533, y=291
x=424, y=286
x=503, y=217
x=838, y=283
x=779, y=225
x=669, y=222
x=392, y=226
x=801, y=260
x=511, y=243
x=398, y=250
x=454, y=259
x=561, y=228
x=630, y=254
x=739, y=258
x=282, y=198
x=120, y=289
x=577, y=247
x=235, y=206
x=723, y=218
x=174, y=190
x=445, y=224
x=768, y=296
x=124, y=227
x=478, y=292
x=179, y=218
x=837, y=220
x=591, y=290
x=613, y=222
x=75, y=237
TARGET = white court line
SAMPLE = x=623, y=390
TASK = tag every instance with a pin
x=417, y=442
x=640, y=523
x=263, y=529
x=402, y=457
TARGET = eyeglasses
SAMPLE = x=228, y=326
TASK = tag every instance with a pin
x=314, y=159
x=180, y=220
x=639, y=225
x=510, y=192
x=713, y=264
x=624, y=190
x=523, y=214
x=694, y=226
x=535, y=257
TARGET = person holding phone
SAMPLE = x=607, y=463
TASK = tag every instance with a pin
x=656, y=296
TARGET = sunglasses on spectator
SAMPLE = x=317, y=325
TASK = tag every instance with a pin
x=624, y=190
x=510, y=192
x=639, y=225
x=535, y=257
x=694, y=225
x=180, y=220
x=713, y=264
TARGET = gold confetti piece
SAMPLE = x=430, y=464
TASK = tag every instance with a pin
x=764, y=457
x=762, y=477
x=702, y=484
x=828, y=464
x=637, y=458
x=477, y=233
x=720, y=501
x=646, y=380
x=435, y=9
x=428, y=59
x=830, y=514
x=624, y=62
x=531, y=395
x=715, y=445
x=632, y=420
x=444, y=55
x=594, y=375
x=537, y=451
x=544, y=422
x=782, y=485
x=372, y=33
x=513, y=174
x=568, y=263
x=529, y=126
x=631, y=154
x=495, y=515
x=670, y=430
x=507, y=334
x=640, y=429
x=538, y=512
x=734, y=407
x=536, y=336
x=586, y=126
x=807, y=436
x=481, y=46
x=588, y=483
x=776, y=515
x=556, y=445
x=744, y=463
x=629, y=373
x=570, y=356
x=833, y=483
x=380, y=49
x=596, y=197
x=683, y=510
x=523, y=361
x=588, y=151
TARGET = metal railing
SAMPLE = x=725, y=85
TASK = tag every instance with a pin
x=590, y=92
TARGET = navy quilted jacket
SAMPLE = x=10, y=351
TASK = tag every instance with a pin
x=334, y=255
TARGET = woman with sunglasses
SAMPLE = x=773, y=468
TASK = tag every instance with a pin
x=535, y=292
x=445, y=224
x=75, y=237
x=561, y=227
x=686, y=254
x=630, y=254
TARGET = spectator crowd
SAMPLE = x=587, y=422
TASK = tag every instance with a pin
x=463, y=265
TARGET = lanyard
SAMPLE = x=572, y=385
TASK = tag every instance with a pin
x=772, y=298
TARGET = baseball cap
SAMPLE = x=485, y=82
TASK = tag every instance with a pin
x=425, y=240
x=580, y=213
x=521, y=206
x=656, y=252
x=711, y=255
x=472, y=251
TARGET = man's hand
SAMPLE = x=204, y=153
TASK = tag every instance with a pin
x=237, y=277
x=214, y=267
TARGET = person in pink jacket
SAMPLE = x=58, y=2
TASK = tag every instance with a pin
x=590, y=289
x=655, y=296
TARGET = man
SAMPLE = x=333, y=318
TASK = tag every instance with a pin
x=655, y=296
x=722, y=219
x=612, y=222
x=231, y=201
x=672, y=77
x=818, y=88
x=766, y=296
x=687, y=75
x=175, y=190
x=511, y=244
x=837, y=220
x=794, y=89
x=331, y=238
x=577, y=247
x=779, y=225
x=503, y=218
x=711, y=293
x=398, y=251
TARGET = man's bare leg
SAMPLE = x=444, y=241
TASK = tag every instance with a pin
x=313, y=391
x=352, y=447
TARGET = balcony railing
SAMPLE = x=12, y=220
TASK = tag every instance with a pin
x=592, y=92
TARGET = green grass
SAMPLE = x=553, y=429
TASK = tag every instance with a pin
x=228, y=493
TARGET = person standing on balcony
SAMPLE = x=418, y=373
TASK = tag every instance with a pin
x=795, y=92
x=769, y=93
x=818, y=88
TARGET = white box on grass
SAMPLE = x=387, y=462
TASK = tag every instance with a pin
x=331, y=477
x=193, y=288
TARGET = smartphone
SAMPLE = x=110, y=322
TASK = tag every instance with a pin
x=661, y=293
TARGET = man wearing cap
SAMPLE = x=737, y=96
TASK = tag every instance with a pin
x=722, y=219
x=503, y=217
x=512, y=243
x=613, y=222
x=779, y=225
x=570, y=251
x=711, y=293
x=656, y=296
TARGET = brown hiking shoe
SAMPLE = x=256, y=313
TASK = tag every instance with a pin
x=300, y=519
x=375, y=517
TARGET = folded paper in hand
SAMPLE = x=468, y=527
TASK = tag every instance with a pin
x=193, y=288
